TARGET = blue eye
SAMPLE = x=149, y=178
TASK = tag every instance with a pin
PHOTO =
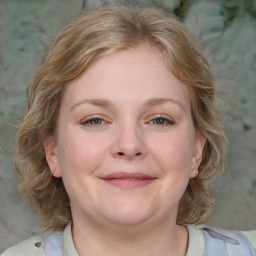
x=93, y=121
x=162, y=121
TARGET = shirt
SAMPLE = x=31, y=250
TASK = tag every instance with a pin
x=62, y=244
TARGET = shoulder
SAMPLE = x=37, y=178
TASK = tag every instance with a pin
x=232, y=242
x=30, y=247
x=251, y=235
x=205, y=240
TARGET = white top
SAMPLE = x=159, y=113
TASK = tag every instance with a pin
x=61, y=244
x=195, y=244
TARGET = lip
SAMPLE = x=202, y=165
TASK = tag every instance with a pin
x=126, y=180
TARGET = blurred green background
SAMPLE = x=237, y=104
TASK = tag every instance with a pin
x=227, y=30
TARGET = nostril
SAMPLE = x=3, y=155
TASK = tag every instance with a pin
x=123, y=154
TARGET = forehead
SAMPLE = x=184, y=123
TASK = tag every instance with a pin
x=139, y=72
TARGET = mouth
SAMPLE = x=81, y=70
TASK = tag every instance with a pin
x=126, y=180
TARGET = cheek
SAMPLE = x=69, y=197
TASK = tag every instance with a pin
x=173, y=152
x=81, y=152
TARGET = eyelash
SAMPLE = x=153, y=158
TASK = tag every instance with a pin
x=166, y=121
x=90, y=120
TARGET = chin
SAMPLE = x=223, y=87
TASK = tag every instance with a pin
x=129, y=215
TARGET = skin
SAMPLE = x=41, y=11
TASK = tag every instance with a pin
x=126, y=113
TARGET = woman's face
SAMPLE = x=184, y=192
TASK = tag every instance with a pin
x=126, y=147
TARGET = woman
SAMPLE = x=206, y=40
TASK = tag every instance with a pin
x=121, y=138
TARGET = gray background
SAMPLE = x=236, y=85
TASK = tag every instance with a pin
x=227, y=30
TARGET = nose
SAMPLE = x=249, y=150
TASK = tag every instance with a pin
x=129, y=143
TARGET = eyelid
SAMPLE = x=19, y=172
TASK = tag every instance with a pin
x=87, y=119
x=168, y=119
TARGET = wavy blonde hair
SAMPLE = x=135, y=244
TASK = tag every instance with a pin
x=89, y=36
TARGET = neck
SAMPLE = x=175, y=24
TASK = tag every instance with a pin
x=162, y=239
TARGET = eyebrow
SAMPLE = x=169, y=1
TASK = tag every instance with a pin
x=108, y=104
x=159, y=101
x=96, y=102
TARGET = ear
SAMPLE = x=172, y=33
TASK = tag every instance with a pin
x=51, y=153
x=197, y=155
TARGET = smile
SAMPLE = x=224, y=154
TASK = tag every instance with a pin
x=127, y=180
